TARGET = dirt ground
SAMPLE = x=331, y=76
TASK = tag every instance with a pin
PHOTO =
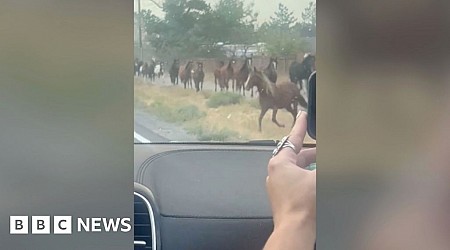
x=240, y=118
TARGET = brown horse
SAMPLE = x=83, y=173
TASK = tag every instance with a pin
x=173, y=71
x=271, y=70
x=226, y=74
x=241, y=76
x=185, y=74
x=199, y=76
x=284, y=95
x=217, y=74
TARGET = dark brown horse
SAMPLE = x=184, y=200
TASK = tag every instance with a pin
x=271, y=70
x=217, y=74
x=185, y=74
x=300, y=71
x=198, y=76
x=173, y=72
x=226, y=74
x=241, y=76
x=284, y=95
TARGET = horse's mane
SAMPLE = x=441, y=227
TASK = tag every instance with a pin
x=268, y=85
x=187, y=64
x=229, y=63
x=244, y=65
x=271, y=61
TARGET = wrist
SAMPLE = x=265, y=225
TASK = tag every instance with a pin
x=297, y=222
x=293, y=232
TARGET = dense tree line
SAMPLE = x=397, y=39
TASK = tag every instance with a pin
x=194, y=28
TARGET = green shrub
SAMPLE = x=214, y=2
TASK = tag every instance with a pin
x=188, y=113
x=178, y=115
x=162, y=111
x=223, y=99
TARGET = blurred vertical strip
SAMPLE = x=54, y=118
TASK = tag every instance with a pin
x=383, y=125
x=66, y=108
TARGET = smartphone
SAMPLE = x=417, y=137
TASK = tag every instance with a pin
x=311, y=129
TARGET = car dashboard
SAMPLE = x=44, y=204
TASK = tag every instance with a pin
x=201, y=196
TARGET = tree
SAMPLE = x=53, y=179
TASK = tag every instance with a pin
x=279, y=34
x=307, y=27
x=194, y=28
x=283, y=19
x=233, y=22
x=179, y=33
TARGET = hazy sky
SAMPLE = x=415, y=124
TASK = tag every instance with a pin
x=266, y=8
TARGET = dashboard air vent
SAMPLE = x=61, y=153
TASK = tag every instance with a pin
x=144, y=224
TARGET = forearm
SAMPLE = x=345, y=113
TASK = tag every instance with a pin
x=293, y=235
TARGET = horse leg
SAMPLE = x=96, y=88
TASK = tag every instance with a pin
x=197, y=86
x=274, y=118
x=261, y=116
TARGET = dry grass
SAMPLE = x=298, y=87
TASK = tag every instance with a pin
x=238, y=121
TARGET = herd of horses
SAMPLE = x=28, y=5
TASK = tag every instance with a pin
x=149, y=70
x=272, y=94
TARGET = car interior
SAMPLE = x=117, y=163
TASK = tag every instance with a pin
x=211, y=193
x=201, y=195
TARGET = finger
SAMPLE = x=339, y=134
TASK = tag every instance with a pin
x=306, y=157
x=297, y=136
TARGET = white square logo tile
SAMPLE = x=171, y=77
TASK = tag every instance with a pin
x=62, y=224
x=18, y=224
x=40, y=224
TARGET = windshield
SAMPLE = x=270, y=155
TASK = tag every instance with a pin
x=221, y=70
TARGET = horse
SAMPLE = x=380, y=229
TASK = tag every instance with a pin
x=185, y=74
x=217, y=74
x=159, y=70
x=137, y=66
x=144, y=70
x=198, y=76
x=151, y=70
x=271, y=70
x=241, y=75
x=283, y=95
x=299, y=71
x=226, y=74
x=173, y=72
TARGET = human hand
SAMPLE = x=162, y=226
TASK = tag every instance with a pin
x=292, y=193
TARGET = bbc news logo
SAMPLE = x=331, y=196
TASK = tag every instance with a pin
x=63, y=225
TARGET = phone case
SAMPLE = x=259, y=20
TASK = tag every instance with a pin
x=311, y=128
